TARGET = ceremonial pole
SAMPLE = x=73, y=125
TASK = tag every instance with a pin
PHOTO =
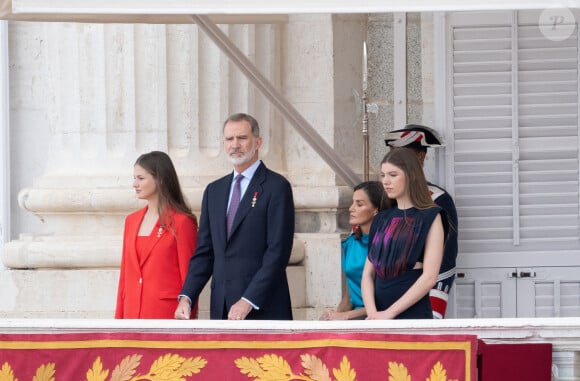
x=365, y=120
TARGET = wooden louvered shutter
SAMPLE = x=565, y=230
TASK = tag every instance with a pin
x=514, y=145
x=515, y=139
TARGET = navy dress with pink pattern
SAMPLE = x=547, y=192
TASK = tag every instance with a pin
x=396, y=243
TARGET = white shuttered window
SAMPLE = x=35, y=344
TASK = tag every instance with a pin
x=514, y=130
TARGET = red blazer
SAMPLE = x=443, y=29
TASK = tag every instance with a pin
x=149, y=285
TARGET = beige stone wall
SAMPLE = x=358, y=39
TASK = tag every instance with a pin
x=87, y=99
x=103, y=94
x=419, y=78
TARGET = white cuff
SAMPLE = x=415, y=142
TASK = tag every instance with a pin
x=252, y=304
x=184, y=296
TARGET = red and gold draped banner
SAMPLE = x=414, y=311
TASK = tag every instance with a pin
x=305, y=356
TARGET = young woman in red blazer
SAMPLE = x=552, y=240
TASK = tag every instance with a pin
x=158, y=242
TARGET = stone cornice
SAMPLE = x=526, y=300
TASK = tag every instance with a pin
x=122, y=200
x=76, y=252
x=563, y=333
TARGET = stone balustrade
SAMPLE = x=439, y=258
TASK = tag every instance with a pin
x=562, y=333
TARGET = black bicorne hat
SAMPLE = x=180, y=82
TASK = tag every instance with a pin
x=414, y=133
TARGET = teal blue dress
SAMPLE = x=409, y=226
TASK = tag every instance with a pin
x=354, y=255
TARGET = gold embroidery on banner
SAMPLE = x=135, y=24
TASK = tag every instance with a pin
x=166, y=368
x=45, y=373
x=345, y=373
x=315, y=368
x=270, y=367
x=265, y=367
x=274, y=367
x=250, y=367
x=97, y=373
x=398, y=372
x=6, y=373
x=438, y=373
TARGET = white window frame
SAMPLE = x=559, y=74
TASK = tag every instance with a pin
x=4, y=139
x=443, y=114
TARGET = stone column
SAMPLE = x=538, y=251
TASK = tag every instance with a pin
x=419, y=53
x=4, y=139
x=113, y=92
x=324, y=72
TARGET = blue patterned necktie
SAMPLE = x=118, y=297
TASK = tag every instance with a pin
x=234, y=203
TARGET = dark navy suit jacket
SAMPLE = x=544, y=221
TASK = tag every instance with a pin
x=252, y=262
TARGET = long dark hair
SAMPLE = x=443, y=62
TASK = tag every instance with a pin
x=160, y=166
x=377, y=196
x=416, y=185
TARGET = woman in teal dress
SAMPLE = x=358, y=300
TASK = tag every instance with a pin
x=406, y=244
x=368, y=199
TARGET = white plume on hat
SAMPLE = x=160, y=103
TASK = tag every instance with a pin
x=414, y=133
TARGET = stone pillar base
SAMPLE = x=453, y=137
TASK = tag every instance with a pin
x=63, y=252
x=57, y=294
x=91, y=293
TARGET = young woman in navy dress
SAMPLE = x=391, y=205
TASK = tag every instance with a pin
x=405, y=244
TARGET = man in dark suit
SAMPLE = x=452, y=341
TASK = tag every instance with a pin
x=247, y=261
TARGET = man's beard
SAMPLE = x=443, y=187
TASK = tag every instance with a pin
x=244, y=158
